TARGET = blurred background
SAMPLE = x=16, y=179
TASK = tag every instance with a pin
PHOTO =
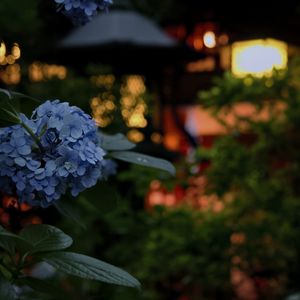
x=213, y=87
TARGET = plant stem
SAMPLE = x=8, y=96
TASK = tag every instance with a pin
x=34, y=137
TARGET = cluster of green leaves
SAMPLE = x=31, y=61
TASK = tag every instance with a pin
x=188, y=252
x=258, y=170
x=45, y=243
x=172, y=252
x=228, y=90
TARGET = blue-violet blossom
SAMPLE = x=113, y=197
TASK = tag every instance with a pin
x=82, y=11
x=68, y=155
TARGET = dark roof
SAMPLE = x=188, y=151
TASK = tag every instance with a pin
x=118, y=27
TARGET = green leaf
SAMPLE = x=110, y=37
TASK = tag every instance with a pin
x=8, y=244
x=7, y=291
x=8, y=118
x=4, y=233
x=8, y=114
x=116, y=142
x=11, y=95
x=43, y=238
x=6, y=93
x=11, y=103
x=89, y=268
x=68, y=211
x=144, y=160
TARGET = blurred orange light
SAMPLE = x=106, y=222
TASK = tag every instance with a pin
x=170, y=199
x=25, y=207
x=171, y=141
x=156, y=198
x=223, y=39
x=4, y=218
x=36, y=220
x=208, y=64
x=9, y=201
x=156, y=138
x=181, y=32
x=198, y=44
x=238, y=238
x=155, y=185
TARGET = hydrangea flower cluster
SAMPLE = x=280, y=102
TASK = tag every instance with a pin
x=57, y=149
x=82, y=11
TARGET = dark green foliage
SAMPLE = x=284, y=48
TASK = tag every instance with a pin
x=172, y=252
x=37, y=243
x=258, y=168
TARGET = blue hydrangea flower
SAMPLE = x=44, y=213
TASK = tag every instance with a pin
x=82, y=11
x=68, y=155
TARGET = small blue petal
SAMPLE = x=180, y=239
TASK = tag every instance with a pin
x=20, y=185
x=24, y=150
x=20, y=161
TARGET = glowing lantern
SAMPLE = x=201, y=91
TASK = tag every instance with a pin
x=258, y=57
x=2, y=51
x=209, y=39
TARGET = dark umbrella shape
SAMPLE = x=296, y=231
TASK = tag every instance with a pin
x=122, y=38
x=125, y=27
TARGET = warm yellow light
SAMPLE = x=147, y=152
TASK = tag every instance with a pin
x=10, y=59
x=209, y=39
x=258, y=57
x=135, y=136
x=2, y=51
x=35, y=72
x=109, y=105
x=106, y=81
x=137, y=120
x=136, y=85
x=133, y=106
x=16, y=51
x=125, y=113
x=156, y=138
x=128, y=101
x=12, y=74
x=39, y=71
